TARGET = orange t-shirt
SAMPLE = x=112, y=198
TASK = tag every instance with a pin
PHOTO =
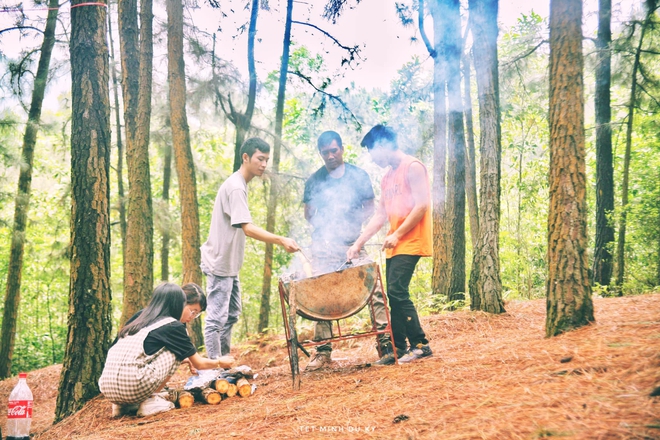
x=398, y=201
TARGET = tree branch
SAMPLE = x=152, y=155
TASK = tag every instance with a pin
x=525, y=55
x=422, y=32
x=352, y=51
x=332, y=97
x=21, y=28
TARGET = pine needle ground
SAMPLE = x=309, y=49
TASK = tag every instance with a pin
x=491, y=377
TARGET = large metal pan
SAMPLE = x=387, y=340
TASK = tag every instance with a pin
x=334, y=295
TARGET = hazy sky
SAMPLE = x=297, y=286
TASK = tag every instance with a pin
x=373, y=24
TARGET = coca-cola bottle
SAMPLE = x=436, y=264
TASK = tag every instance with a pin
x=19, y=410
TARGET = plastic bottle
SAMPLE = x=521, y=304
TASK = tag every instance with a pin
x=19, y=410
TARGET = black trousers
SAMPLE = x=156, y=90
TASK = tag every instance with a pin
x=405, y=321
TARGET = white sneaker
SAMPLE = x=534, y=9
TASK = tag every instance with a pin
x=319, y=360
x=123, y=410
x=154, y=405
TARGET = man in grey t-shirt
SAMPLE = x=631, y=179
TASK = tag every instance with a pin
x=223, y=252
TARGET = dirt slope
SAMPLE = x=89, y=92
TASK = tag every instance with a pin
x=492, y=377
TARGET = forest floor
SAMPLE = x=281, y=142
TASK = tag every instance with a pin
x=491, y=377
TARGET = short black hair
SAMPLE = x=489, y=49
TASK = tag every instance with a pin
x=250, y=146
x=327, y=137
x=380, y=133
x=194, y=295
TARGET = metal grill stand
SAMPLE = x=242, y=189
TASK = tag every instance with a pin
x=293, y=302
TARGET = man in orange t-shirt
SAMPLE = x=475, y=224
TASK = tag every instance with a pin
x=405, y=203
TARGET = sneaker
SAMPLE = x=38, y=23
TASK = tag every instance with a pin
x=388, y=358
x=154, y=405
x=421, y=351
x=319, y=360
x=123, y=410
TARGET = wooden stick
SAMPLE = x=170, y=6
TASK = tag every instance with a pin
x=185, y=399
x=210, y=396
x=244, y=387
x=221, y=385
x=231, y=390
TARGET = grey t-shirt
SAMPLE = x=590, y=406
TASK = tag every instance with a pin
x=224, y=250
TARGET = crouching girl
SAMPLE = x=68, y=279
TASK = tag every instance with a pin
x=148, y=351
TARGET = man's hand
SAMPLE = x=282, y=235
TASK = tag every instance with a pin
x=352, y=253
x=290, y=245
x=390, y=241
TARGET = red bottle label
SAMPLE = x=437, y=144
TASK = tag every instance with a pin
x=19, y=409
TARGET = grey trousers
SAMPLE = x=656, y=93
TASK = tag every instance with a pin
x=224, y=306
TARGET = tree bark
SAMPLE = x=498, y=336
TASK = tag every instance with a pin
x=90, y=317
x=22, y=204
x=243, y=121
x=264, y=310
x=450, y=22
x=568, y=289
x=137, y=60
x=602, y=264
x=165, y=233
x=621, y=242
x=440, y=276
x=485, y=283
x=470, y=167
x=121, y=199
x=183, y=158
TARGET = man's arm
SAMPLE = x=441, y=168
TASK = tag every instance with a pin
x=254, y=231
x=374, y=225
x=420, y=193
x=368, y=208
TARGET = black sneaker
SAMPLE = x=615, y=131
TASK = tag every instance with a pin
x=421, y=351
x=388, y=358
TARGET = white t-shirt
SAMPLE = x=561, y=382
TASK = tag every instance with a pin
x=224, y=250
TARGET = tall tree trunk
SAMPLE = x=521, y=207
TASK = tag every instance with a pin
x=121, y=200
x=137, y=58
x=485, y=282
x=621, y=242
x=183, y=158
x=165, y=233
x=264, y=310
x=470, y=167
x=243, y=121
x=15, y=266
x=440, y=276
x=602, y=264
x=90, y=315
x=451, y=25
x=568, y=290
x=657, y=277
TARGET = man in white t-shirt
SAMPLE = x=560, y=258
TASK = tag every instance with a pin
x=224, y=250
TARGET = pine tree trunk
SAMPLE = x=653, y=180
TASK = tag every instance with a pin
x=621, y=242
x=244, y=121
x=165, y=233
x=568, y=290
x=470, y=167
x=485, y=283
x=440, y=276
x=264, y=310
x=15, y=265
x=602, y=264
x=121, y=200
x=90, y=317
x=183, y=158
x=136, y=62
x=455, y=214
